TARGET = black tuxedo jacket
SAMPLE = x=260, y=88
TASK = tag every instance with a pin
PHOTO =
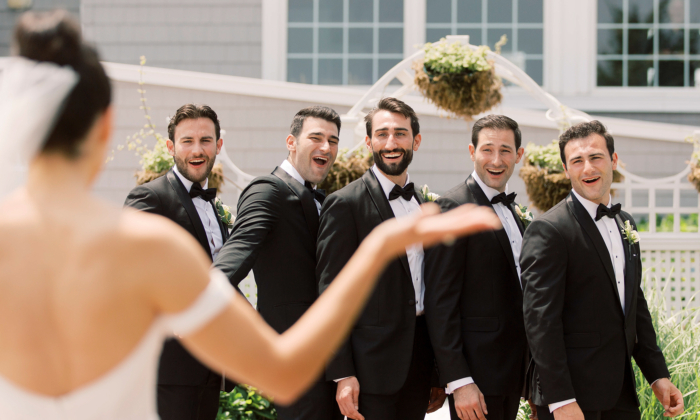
x=380, y=346
x=275, y=236
x=167, y=196
x=473, y=305
x=579, y=336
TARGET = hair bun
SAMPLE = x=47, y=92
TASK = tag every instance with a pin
x=48, y=36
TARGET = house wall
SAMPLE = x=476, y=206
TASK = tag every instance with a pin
x=256, y=128
x=9, y=16
x=211, y=36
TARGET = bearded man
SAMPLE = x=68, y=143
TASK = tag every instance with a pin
x=187, y=390
x=384, y=370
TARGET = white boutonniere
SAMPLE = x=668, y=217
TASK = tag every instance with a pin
x=631, y=235
x=224, y=212
x=524, y=215
x=427, y=195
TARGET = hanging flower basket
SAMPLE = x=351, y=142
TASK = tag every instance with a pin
x=543, y=174
x=345, y=170
x=694, y=175
x=458, y=79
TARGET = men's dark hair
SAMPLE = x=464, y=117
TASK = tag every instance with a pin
x=55, y=37
x=583, y=130
x=394, y=106
x=496, y=122
x=322, y=112
x=193, y=111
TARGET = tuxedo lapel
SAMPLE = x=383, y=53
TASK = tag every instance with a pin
x=630, y=265
x=589, y=226
x=376, y=193
x=517, y=219
x=501, y=234
x=187, y=203
x=305, y=197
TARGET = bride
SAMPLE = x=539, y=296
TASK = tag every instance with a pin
x=88, y=291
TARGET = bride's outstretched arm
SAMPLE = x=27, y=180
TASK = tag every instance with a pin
x=240, y=343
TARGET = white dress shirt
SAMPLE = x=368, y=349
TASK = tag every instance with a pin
x=610, y=231
x=415, y=254
x=292, y=171
x=516, y=240
x=206, y=214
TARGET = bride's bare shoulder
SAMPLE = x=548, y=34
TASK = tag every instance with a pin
x=157, y=239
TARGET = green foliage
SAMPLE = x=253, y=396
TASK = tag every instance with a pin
x=545, y=157
x=157, y=159
x=678, y=336
x=244, y=403
x=664, y=223
x=452, y=58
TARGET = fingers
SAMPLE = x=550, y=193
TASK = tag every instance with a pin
x=464, y=220
x=347, y=398
x=429, y=209
x=676, y=403
x=483, y=403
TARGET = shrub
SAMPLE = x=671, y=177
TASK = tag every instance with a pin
x=243, y=403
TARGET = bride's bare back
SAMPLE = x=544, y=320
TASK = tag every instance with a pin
x=76, y=280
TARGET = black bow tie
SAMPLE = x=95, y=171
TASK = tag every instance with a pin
x=406, y=192
x=319, y=195
x=507, y=200
x=197, y=191
x=603, y=210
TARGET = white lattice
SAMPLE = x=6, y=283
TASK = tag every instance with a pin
x=676, y=273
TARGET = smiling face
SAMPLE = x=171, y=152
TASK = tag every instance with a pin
x=495, y=157
x=590, y=167
x=313, y=152
x=195, y=148
x=392, y=144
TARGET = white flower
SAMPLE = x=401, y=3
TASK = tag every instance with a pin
x=631, y=235
x=524, y=215
x=427, y=195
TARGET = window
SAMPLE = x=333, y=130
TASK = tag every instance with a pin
x=343, y=42
x=486, y=20
x=648, y=43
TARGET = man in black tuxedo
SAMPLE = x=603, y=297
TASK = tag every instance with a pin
x=275, y=236
x=387, y=361
x=585, y=313
x=187, y=390
x=473, y=296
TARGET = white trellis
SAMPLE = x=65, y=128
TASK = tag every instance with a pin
x=671, y=259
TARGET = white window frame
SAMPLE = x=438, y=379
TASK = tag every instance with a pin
x=569, y=59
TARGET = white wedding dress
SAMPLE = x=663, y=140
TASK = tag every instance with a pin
x=128, y=390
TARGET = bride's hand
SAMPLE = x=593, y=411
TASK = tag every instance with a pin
x=429, y=227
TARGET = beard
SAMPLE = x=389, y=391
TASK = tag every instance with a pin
x=183, y=168
x=393, y=169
